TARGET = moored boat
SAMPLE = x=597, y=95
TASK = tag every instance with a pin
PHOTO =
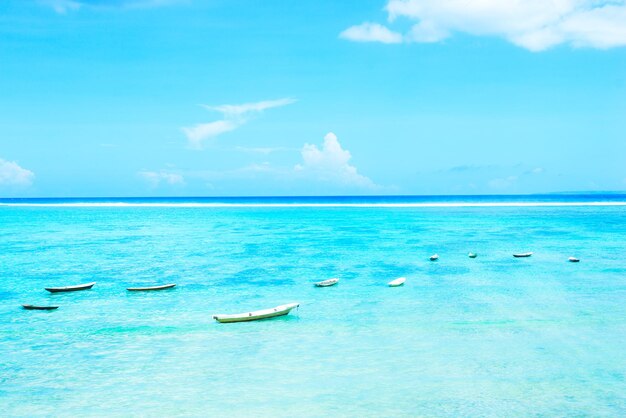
x=397, y=282
x=522, y=255
x=326, y=283
x=39, y=307
x=70, y=288
x=472, y=255
x=434, y=257
x=256, y=315
x=573, y=260
x=147, y=288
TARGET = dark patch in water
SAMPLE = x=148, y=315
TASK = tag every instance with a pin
x=7, y=295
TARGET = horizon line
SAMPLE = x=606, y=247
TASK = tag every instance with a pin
x=562, y=193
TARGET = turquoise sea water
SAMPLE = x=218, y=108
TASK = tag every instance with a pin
x=491, y=336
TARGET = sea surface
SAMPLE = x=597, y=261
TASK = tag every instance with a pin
x=491, y=336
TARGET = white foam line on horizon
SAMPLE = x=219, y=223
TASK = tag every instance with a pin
x=316, y=205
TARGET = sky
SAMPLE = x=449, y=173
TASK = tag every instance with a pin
x=281, y=97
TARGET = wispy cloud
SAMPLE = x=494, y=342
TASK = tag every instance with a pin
x=331, y=163
x=246, y=109
x=371, y=32
x=65, y=6
x=233, y=117
x=156, y=178
x=197, y=134
x=11, y=174
x=532, y=24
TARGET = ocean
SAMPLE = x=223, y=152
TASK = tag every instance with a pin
x=490, y=336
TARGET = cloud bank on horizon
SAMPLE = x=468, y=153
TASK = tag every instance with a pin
x=329, y=164
x=536, y=25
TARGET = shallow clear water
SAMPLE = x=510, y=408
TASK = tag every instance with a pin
x=494, y=336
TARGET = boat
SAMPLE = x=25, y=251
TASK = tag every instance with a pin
x=70, y=288
x=326, y=283
x=522, y=255
x=39, y=307
x=256, y=315
x=574, y=259
x=472, y=255
x=397, y=282
x=434, y=257
x=143, y=289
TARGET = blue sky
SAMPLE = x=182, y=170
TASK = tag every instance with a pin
x=232, y=97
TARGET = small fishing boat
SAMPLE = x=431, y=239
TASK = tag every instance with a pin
x=434, y=257
x=573, y=260
x=326, y=283
x=144, y=289
x=472, y=255
x=522, y=255
x=70, y=288
x=397, y=282
x=256, y=315
x=39, y=307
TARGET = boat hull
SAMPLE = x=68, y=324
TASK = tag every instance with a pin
x=151, y=288
x=281, y=310
x=327, y=283
x=39, y=308
x=522, y=255
x=76, y=288
x=397, y=282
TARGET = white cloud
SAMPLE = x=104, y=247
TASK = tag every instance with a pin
x=371, y=32
x=155, y=178
x=203, y=131
x=11, y=174
x=532, y=24
x=244, y=110
x=331, y=163
x=233, y=117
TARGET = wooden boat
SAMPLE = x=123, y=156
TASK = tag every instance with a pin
x=434, y=257
x=472, y=255
x=326, y=283
x=522, y=255
x=256, y=315
x=70, y=288
x=573, y=260
x=397, y=282
x=144, y=289
x=39, y=307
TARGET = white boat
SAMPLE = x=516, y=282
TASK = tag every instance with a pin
x=256, y=315
x=397, y=282
x=434, y=257
x=522, y=255
x=472, y=255
x=326, y=283
x=574, y=259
